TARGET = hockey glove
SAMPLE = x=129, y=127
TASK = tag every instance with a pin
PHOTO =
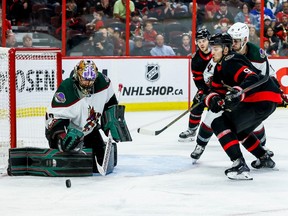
x=214, y=102
x=233, y=98
x=284, y=100
x=199, y=99
x=70, y=140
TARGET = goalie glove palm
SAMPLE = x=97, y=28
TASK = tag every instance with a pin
x=71, y=140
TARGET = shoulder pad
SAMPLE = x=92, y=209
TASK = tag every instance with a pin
x=229, y=57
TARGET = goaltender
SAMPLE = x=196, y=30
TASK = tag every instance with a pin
x=82, y=105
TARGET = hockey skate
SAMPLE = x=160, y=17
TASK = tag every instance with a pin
x=187, y=136
x=269, y=152
x=263, y=162
x=239, y=170
x=196, y=154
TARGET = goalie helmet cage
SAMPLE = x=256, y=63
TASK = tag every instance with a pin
x=29, y=78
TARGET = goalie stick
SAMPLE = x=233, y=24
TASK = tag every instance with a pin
x=103, y=169
x=256, y=84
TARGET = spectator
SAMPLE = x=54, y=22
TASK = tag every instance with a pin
x=136, y=23
x=267, y=23
x=119, y=10
x=222, y=26
x=256, y=11
x=222, y=13
x=268, y=49
x=234, y=6
x=273, y=39
x=185, y=48
x=167, y=10
x=97, y=22
x=281, y=31
x=283, y=12
x=210, y=8
x=11, y=40
x=244, y=16
x=161, y=49
x=149, y=34
x=138, y=49
x=118, y=42
x=253, y=37
x=7, y=28
x=99, y=44
x=106, y=6
x=200, y=11
x=27, y=40
x=274, y=5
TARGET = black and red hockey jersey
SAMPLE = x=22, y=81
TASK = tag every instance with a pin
x=199, y=62
x=236, y=70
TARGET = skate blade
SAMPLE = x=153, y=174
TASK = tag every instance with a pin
x=241, y=176
x=265, y=169
x=194, y=161
x=190, y=139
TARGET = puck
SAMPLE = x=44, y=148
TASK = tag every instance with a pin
x=68, y=183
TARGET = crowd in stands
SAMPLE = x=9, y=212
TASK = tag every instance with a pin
x=97, y=27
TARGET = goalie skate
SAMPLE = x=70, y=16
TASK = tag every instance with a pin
x=239, y=170
x=187, y=136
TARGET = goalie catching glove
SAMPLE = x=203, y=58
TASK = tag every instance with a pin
x=70, y=140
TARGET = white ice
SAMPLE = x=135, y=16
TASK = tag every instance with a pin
x=155, y=177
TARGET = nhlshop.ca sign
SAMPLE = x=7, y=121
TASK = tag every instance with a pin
x=144, y=80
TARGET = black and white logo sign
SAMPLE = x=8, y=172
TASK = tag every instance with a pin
x=152, y=72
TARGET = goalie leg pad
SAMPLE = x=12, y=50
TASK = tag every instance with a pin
x=49, y=162
x=113, y=120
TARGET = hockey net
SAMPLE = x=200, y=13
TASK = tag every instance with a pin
x=28, y=80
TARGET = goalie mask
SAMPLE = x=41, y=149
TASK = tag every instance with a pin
x=85, y=72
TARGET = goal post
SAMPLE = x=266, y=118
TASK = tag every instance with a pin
x=28, y=79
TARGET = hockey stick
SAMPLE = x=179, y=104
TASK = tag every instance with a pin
x=103, y=169
x=254, y=85
x=157, y=132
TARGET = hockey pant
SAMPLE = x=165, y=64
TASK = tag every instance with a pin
x=238, y=125
x=205, y=131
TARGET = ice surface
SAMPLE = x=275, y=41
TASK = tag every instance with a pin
x=154, y=176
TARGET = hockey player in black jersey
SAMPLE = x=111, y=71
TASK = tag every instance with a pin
x=239, y=112
x=200, y=60
x=240, y=35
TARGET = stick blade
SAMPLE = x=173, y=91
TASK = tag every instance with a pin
x=100, y=168
x=146, y=132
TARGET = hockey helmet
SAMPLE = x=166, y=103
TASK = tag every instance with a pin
x=222, y=39
x=202, y=34
x=239, y=31
x=85, y=70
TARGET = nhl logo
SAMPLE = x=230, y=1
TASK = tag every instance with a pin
x=152, y=72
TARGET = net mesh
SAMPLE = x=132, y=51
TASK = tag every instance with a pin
x=36, y=82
